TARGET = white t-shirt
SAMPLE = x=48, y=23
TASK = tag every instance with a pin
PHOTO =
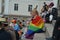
x=50, y=17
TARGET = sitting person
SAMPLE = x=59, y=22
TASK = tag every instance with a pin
x=36, y=25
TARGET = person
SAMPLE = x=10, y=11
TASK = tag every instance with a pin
x=23, y=30
x=56, y=31
x=49, y=16
x=24, y=23
x=4, y=33
x=11, y=25
x=45, y=7
x=20, y=25
x=36, y=25
x=44, y=10
x=17, y=29
x=54, y=13
x=12, y=32
x=50, y=7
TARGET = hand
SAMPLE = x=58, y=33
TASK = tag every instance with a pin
x=20, y=32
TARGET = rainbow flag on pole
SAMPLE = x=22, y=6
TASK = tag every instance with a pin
x=36, y=25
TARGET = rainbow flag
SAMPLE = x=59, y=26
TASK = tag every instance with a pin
x=36, y=25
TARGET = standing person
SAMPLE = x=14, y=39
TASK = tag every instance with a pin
x=17, y=29
x=56, y=31
x=36, y=25
x=23, y=30
x=20, y=25
x=50, y=7
x=44, y=10
x=45, y=7
x=12, y=32
x=16, y=26
x=54, y=13
x=4, y=35
x=11, y=25
x=50, y=12
x=24, y=23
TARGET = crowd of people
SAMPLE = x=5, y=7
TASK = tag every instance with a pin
x=12, y=30
x=49, y=12
x=18, y=30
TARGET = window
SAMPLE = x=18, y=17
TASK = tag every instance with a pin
x=16, y=7
x=29, y=8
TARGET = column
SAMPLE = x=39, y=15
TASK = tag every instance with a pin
x=0, y=6
x=6, y=7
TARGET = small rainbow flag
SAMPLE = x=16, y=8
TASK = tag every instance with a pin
x=36, y=25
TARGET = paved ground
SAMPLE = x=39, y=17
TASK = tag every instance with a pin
x=44, y=36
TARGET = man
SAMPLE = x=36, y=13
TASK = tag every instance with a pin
x=4, y=35
x=44, y=11
x=56, y=31
x=49, y=16
x=5, y=32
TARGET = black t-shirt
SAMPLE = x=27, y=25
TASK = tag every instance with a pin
x=4, y=35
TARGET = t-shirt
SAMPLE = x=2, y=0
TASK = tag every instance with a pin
x=16, y=27
x=50, y=17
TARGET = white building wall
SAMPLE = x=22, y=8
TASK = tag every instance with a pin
x=55, y=3
x=6, y=7
x=0, y=5
x=23, y=6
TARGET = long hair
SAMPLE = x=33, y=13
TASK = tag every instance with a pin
x=35, y=10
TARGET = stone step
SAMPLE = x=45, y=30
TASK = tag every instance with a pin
x=39, y=36
x=49, y=28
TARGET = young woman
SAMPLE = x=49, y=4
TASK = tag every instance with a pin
x=36, y=25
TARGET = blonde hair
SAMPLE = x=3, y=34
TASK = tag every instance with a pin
x=35, y=10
